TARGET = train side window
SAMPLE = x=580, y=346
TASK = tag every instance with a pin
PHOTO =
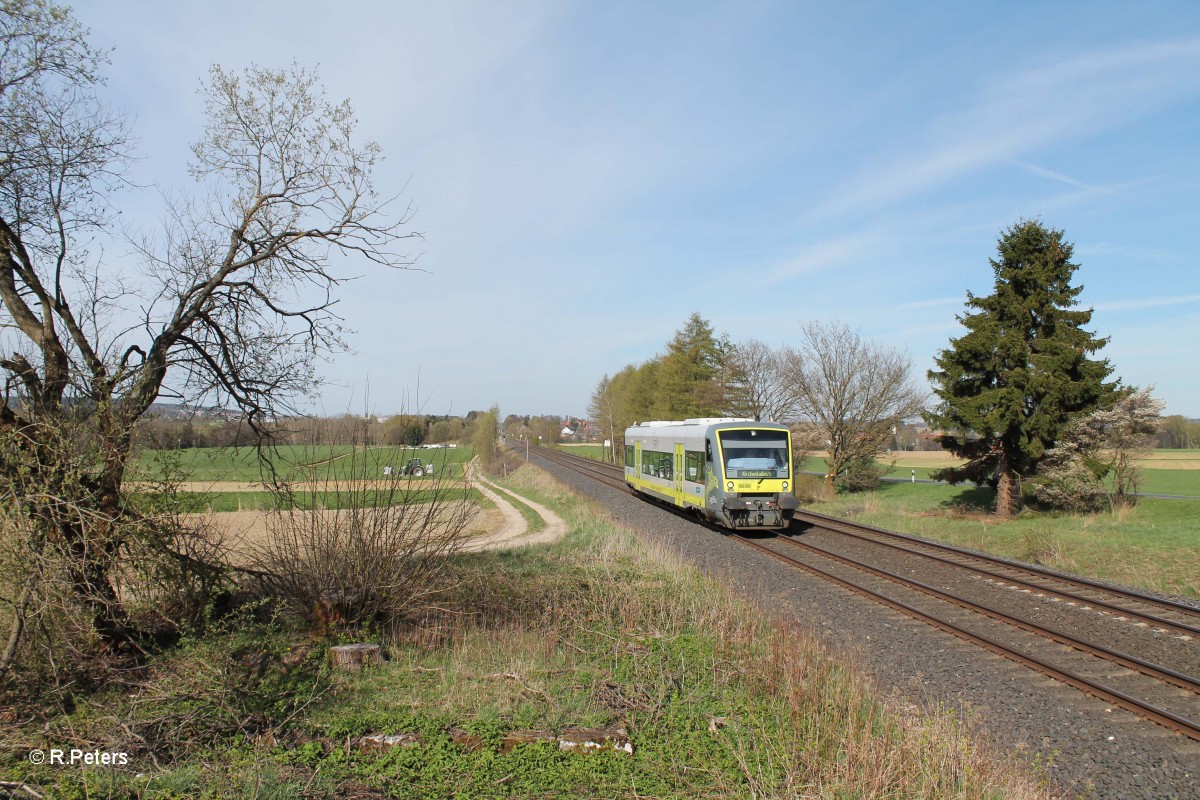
x=694, y=467
x=629, y=455
x=656, y=464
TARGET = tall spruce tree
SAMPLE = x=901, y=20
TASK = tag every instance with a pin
x=1011, y=384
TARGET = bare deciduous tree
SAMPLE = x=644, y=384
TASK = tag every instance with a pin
x=234, y=305
x=762, y=388
x=1179, y=432
x=609, y=409
x=853, y=390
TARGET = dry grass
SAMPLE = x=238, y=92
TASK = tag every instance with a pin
x=859, y=747
x=722, y=699
x=850, y=744
x=1158, y=461
x=244, y=531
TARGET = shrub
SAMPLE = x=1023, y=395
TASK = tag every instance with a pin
x=861, y=474
x=373, y=553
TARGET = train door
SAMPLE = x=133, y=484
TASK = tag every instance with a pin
x=637, y=463
x=712, y=481
x=678, y=472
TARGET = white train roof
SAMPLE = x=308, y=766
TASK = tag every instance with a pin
x=697, y=421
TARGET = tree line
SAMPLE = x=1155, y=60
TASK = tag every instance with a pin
x=545, y=428
x=1177, y=432
x=840, y=392
x=182, y=433
x=1021, y=396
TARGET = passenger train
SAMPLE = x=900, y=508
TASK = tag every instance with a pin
x=734, y=472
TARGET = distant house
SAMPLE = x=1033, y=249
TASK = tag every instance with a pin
x=586, y=431
x=568, y=432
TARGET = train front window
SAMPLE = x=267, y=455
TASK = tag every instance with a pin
x=755, y=453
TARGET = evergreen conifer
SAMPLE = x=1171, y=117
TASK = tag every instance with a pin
x=1010, y=385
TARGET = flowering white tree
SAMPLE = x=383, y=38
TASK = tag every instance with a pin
x=1101, y=447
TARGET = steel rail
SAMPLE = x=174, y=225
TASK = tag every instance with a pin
x=852, y=529
x=858, y=530
x=572, y=462
x=1182, y=680
x=841, y=525
x=1161, y=716
x=1164, y=717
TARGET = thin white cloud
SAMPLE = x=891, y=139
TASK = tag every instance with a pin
x=1042, y=172
x=1087, y=190
x=821, y=256
x=1027, y=111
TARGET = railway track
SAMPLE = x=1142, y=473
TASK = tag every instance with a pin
x=1163, y=612
x=1130, y=649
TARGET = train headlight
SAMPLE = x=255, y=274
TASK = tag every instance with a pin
x=785, y=486
x=729, y=486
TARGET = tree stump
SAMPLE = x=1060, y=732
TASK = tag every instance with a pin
x=353, y=657
x=514, y=739
x=583, y=740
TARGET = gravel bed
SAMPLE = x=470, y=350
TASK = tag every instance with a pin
x=1050, y=575
x=1089, y=748
x=1166, y=648
x=1082, y=621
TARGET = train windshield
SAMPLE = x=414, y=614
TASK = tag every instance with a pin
x=755, y=453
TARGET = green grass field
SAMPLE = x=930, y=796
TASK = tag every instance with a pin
x=597, y=451
x=326, y=462
x=1182, y=480
x=203, y=502
x=1152, y=545
x=1185, y=482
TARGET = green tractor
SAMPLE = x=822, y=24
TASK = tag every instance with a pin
x=416, y=469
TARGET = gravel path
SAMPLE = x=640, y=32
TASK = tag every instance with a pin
x=513, y=531
x=1089, y=748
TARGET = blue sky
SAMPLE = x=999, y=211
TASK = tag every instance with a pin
x=586, y=175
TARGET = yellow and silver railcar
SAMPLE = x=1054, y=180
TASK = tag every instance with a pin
x=734, y=472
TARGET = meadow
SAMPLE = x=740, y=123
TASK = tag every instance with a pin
x=295, y=462
x=232, y=479
x=221, y=502
x=1152, y=545
x=1165, y=472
